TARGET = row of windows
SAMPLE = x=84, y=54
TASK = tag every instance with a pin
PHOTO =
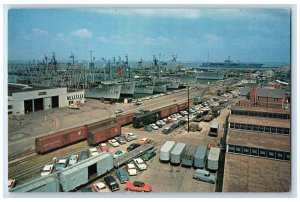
x=269, y=99
x=267, y=129
x=261, y=114
x=75, y=97
x=260, y=152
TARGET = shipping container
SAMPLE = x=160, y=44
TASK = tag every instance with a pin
x=60, y=139
x=188, y=158
x=100, y=124
x=200, y=155
x=146, y=118
x=213, y=130
x=167, y=111
x=102, y=134
x=183, y=106
x=165, y=151
x=213, y=158
x=125, y=119
x=177, y=153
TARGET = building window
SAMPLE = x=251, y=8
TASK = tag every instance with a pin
x=267, y=129
x=249, y=127
x=238, y=149
x=261, y=128
x=287, y=156
x=237, y=126
x=243, y=126
x=254, y=152
x=231, y=125
x=246, y=150
x=271, y=154
x=280, y=130
x=255, y=127
x=276, y=99
x=286, y=131
x=265, y=114
x=273, y=130
x=10, y=106
x=250, y=113
x=258, y=97
x=280, y=116
x=262, y=152
x=279, y=155
x=230, y=148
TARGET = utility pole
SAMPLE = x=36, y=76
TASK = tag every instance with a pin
x=188, y=91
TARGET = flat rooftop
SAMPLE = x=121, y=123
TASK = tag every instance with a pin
x=261, y=121
x=261, y=109
x=251, y=174
x=261, y=140
x=17, y=88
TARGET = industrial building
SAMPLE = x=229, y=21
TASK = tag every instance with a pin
x=25, y=99
x=258, y=150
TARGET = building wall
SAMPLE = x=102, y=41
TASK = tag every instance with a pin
x=270, y=102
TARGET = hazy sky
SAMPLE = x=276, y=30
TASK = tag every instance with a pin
x=247, y=35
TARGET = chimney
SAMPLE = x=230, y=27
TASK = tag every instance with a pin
x=253, y=96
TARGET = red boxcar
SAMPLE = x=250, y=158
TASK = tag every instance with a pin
x=100, y=124
x=102, y=134
x=60, y=139
x=125, y=119
x=167, y=111
x=183, y=106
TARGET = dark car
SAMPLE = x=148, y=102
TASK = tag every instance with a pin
x=84, y=155
x=133, y=146
x=166, y=130
x=122, y=175
x=111, y=183
x=148, y=155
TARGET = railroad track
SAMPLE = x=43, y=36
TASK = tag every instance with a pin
x=16, y=171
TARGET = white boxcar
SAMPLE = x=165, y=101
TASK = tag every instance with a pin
x=213, y=158
x=165, y=151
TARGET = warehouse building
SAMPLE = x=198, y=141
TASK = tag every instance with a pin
x=258, y=150
x=25, y=99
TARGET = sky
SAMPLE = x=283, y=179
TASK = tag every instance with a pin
x=246, y=35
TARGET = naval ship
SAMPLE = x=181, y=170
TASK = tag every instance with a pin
x=229, y=64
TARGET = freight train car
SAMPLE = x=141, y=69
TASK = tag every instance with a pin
x=182, y=106
x=60, y=139
x=167, y=111
x=125, y=119
x=146, y=118
x=100, y=124
x=102, y=134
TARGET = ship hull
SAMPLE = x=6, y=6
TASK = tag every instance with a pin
x=104, y=91
x=144, y=89
x=160, y=89
x=127, y=88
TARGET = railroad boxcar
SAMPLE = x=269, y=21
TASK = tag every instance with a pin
x=94, y=137
x=60, y=139
x=167, y=111
x=99, y=124
x=182, y=106
x=125, y=119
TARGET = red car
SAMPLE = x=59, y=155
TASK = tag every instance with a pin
x=144, y=141
x=138, y=186
x=103, y=147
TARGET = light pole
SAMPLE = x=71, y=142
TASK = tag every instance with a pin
x=188, y=91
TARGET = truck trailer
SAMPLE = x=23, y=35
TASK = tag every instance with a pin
x=165, y=151
x=188, y=158
x=177, y=153
x=213, y=158
x=200, y=155
x=213, y=130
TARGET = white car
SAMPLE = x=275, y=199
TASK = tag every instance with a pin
x=140, y=164
x=113, y=143
x=47, y=170
x=154, y=126
x=131, y=169
x=93, y=151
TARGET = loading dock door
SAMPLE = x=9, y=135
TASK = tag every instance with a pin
x=38, y=104
x=28, y=106
x=55, y=102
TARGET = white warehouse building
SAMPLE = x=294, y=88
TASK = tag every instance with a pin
x=25, y=99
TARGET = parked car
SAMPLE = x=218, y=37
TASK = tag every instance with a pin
x=148, y=155
x=47, y=170
x=140, y=164
x=84, y=155
x=154, y=126
x=166, y=120
x=148, y=128
x=138, y=186
x=113, y=142
x=132, y=136
x=103, y=147
x=133, y=146
x=100, y=187
x=158, y=124
x=111, y=183
x=204, y=175
x=118, y=111
x=122, y=175
x=131, y=169
x=120, y=140
x=73, y=159
x=144, y=141
x=118, y=153
x=61, y=164
x=93, y=151
x=126, y=137
x=11, y=184
x=166, y=130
